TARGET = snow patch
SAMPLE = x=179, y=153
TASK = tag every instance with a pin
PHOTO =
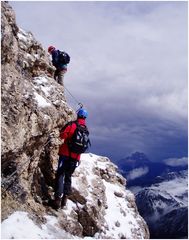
x=176, y=189
x=118, y=215
x=19, y=225
x=25, y=37
x=40, y=80
x=42, y=102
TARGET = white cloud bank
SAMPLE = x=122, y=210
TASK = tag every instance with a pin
x=176, y=161
x=137, y=172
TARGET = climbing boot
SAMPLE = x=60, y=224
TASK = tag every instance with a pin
x=57, y=203
x=64, y=201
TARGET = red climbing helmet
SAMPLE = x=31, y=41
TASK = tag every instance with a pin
x=50, y=49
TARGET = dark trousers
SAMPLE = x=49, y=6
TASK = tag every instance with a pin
x=59, y=76
x=63, y=181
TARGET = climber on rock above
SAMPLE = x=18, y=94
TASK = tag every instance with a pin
x=59, y=60
x=75, y=141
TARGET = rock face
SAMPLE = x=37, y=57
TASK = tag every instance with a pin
x=34, y=109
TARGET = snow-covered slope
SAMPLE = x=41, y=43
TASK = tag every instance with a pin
x=20, y=226
x=99, y=200
x=164, y=205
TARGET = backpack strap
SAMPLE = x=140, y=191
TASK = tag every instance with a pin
x=70, y=124
x=65, y=126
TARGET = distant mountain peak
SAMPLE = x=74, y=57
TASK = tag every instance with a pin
x=164, y=206
x=138, y=156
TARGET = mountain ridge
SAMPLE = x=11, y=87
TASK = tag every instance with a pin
x=150, y=171
x=164, y=206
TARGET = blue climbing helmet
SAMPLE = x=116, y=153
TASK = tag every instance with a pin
x=82, y=113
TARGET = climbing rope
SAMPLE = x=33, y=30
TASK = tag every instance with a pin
x=22, y=167
x=79, y=103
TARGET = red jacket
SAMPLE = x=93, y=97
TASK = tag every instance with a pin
x=66, y=135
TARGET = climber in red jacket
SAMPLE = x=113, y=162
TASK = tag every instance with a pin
x=69, y=156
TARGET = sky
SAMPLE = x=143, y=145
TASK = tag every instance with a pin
x=128, y=67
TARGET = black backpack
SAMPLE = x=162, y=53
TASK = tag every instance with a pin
x=64, y=57
x=80, y=140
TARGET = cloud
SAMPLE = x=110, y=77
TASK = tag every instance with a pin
x=137, y=172
x=176, y=161
x=128, y=67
